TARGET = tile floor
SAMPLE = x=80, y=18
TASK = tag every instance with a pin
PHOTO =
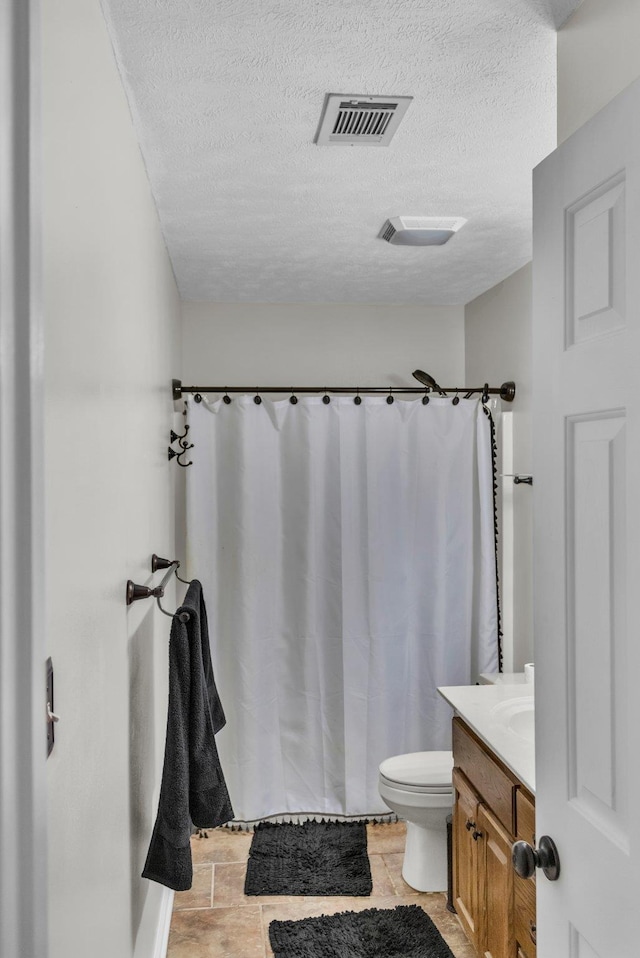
x=214, y=919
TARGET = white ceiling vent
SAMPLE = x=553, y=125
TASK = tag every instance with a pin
x=369, y=120
x=420, y=230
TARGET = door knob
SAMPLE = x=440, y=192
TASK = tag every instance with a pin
x=526, y=859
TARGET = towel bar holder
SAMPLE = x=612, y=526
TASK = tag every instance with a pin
x=136, y=591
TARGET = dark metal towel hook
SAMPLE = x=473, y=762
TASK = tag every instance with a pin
x=174, y=435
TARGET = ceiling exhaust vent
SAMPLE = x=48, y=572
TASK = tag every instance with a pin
x=420, y=230
x=368, y=120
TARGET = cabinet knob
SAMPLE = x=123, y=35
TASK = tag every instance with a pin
x=476, y=835
x=469, y=824
x=525, y=859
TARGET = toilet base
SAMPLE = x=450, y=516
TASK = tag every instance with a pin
x=425, y=858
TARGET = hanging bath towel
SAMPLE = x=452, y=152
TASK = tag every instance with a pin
x=193, y=789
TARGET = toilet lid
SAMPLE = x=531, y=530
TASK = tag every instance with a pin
x=424, y=769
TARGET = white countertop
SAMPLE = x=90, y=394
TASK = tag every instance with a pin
x=501, y=678
x=476, y=705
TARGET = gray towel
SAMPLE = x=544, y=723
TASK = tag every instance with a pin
x=193, y=789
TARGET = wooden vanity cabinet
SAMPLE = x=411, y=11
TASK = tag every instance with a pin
x=491, y=809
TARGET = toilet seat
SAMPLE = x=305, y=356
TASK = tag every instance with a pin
x=419, y=772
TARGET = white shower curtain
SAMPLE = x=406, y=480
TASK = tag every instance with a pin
x=348, y=564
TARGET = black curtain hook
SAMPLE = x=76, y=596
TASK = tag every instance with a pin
x=425, y=398
x=293, y=398
x=257, y=398
x=485, y=394
x=389, y=397
x=226, y=398
x=357, y=398
x=197, y=397
x=326, y=399
x=456, y=398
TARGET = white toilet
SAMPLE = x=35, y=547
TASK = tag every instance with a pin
x=418, y=788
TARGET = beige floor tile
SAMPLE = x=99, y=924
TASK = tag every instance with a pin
x=394, y=867
x=228, y=887
x=382, y=881
x=221, y=845
x=216, y=933
x=199, y=895
x=386, y=838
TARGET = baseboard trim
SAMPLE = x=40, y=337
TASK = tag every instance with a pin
x=164, y=924
x=153, y=934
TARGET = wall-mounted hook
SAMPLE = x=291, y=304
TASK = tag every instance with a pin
x=174, y=435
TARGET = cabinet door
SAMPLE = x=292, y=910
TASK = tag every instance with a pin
x=465, y=857
x=494, y=844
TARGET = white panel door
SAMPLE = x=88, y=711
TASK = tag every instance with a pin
x=587, y=534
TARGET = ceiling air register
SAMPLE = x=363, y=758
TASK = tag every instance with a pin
x=365, y=120
x=420, y=230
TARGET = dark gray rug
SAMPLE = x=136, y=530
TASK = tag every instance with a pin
x=314, y=858
x=402, y=932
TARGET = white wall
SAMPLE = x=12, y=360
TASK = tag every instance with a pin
x=597, y=58
x=498, y=348
x=320, y=344
x=111, y=345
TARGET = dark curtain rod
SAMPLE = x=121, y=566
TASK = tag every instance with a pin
x=506, y=391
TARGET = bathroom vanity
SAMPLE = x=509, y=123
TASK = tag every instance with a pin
x=494, y=806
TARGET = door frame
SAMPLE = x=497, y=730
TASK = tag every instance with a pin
x=23, y=839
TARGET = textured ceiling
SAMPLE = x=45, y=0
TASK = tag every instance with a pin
x=226, y=96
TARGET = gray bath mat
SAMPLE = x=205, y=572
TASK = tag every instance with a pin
x=402, y=932
x=314, y=858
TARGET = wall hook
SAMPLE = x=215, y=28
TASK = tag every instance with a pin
x=174, y=435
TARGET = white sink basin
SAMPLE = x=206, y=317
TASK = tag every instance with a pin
x=517, y=716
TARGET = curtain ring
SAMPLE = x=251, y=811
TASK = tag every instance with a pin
x=389, y=397
x=485, y=394
x=456, y=399
x=326, y=399
x=425, y=398
x=197, y=397
x=226, y=398
x=357, y=398
x=294, y=399
x=257, y=398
